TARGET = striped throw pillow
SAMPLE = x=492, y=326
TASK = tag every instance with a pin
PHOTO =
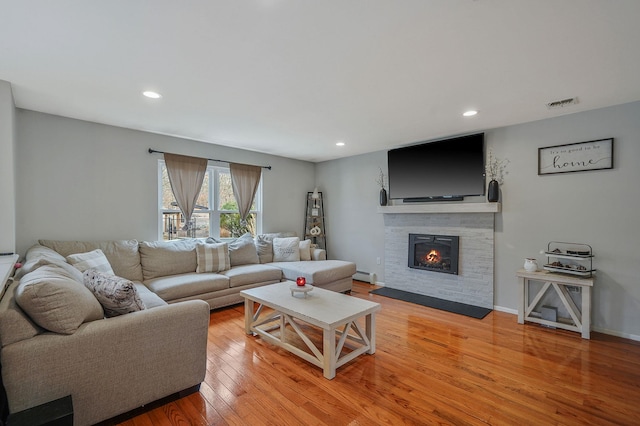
x=212, y=257
x=91, y=260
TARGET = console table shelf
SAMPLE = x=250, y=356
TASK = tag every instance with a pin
x=580, y=320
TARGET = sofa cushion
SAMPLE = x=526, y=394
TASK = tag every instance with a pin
x=182, y=286
x=252, y=274
x=242, y=251
x=15, y=324
x=55, y=301
x=212, y=257
x=35, y=263
x=305, y=250
x=123, y=255
x=315, y=272
x=95, y=260
x=118, y=296
x=286, y=249
x=149, y=298
x=37, y=251
x=162, y=258
x=264, y=244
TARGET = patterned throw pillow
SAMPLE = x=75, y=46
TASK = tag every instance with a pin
x=286, y=249
x=117, y=295
x=212, y=257
x=91, y=260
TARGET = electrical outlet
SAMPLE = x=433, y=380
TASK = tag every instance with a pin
x=377, y=260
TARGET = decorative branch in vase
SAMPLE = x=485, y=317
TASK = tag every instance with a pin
x=383, y=192
x=496, y=170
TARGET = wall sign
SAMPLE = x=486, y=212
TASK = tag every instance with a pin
x=576, y=157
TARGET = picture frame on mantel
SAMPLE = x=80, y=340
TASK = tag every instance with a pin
x=576, y=157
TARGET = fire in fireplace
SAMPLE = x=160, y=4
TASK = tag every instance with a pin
x=438, y=253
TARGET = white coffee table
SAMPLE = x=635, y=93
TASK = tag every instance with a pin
x=335, y=313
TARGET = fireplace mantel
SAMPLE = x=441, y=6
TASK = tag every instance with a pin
x=442, y=208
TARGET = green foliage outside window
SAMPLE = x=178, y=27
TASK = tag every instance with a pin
x=230, y=225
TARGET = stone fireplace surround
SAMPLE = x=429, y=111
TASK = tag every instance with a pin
x=472, y=222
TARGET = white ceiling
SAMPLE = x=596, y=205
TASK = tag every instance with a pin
x=293, y=77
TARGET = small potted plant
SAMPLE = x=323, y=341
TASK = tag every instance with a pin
x=495, y=169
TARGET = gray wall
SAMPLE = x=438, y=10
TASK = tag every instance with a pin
x=355, y=231
x=78, y=180
x=7, y=169
x=600, y=208
x=81, y=180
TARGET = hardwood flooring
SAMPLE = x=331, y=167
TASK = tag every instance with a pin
x=430, y=367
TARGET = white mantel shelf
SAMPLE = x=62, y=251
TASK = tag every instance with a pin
x=442, y=208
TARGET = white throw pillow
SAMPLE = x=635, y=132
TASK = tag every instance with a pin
x=286, y=249
x=91, y=260
x=305, y=250
x=212, y=257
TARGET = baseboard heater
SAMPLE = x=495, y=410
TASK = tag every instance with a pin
x=367, y=277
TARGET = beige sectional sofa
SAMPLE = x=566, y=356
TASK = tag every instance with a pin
x=59, y=345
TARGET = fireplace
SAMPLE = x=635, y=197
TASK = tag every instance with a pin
x=437, y=253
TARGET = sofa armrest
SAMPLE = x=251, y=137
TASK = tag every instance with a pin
x=318, y=254
x=113, y=365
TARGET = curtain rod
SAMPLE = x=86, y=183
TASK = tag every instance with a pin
x=152, y=151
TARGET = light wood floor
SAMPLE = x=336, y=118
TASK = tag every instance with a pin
x=430, y=367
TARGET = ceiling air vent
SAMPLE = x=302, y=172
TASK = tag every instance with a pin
x=562, y=103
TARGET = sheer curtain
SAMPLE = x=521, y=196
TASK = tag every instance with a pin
x=185, y=176
x=244, y=182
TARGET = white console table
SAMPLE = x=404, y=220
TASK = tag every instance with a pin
x=6, y=268
x=580, y=320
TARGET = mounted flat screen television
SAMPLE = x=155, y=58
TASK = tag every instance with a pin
x=444, y=170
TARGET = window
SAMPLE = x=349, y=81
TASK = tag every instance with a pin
x=216, y=213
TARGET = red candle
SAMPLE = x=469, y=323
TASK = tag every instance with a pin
x=301, y=281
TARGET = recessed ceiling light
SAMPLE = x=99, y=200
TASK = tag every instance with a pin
x=151, y=94
x=470, y=113
x=339, y=143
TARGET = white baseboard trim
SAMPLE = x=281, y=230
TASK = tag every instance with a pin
x=617, y=333
x=596, y=329
x=507, y=310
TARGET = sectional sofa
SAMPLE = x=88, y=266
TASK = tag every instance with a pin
x=58, y=338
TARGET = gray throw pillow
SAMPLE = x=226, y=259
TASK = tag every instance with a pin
x=117, y=295
x=242, y=251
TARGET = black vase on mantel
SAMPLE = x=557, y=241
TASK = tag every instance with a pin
x=383, y=197
x=493, y=193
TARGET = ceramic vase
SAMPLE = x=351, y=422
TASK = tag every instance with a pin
x=493, y=193
x=530, y=264
x=383, y=197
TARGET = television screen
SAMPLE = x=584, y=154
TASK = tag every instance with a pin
x=438, y=170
